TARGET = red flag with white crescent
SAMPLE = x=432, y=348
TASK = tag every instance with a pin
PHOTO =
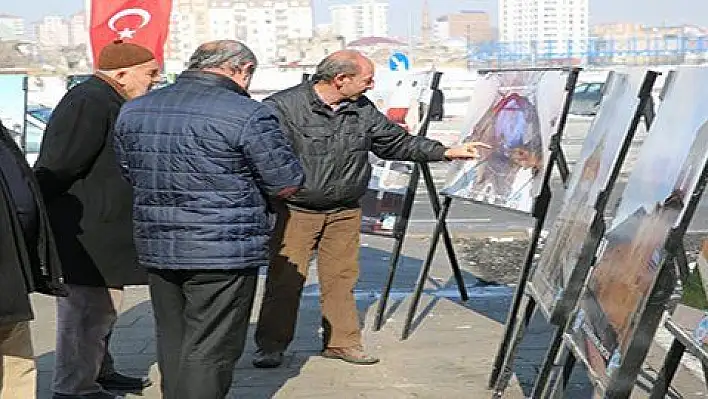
x=143, y=22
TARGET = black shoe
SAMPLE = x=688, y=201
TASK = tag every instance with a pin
x=268, y=360
x=119, y=382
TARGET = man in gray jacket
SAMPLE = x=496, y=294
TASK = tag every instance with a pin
x=332, y=128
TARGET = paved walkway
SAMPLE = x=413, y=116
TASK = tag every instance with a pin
x=449, y=354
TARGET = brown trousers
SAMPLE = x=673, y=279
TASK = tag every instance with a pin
x=18, y=375
x=335, y=236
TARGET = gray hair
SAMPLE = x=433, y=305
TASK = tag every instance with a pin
x=343, y=62
x=222, y=52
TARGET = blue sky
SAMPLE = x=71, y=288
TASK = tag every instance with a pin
x=653, y=12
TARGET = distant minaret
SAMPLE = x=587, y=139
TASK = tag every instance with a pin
x=425, y=29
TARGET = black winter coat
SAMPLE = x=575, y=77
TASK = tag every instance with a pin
x=24, y=268
x=333, y=146
x=89, y=202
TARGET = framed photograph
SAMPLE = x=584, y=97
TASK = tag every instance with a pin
x=516, y=113
x=599, y=158
x=405, y=99
x=662, y=188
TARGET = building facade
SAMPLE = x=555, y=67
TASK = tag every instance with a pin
x=471, y=26
x=273, y=24
x=12, y=27
x=553, y=28
x=636, y=44
x=53, y=32
x=264, y=25
x=78, y=29
x=309, y=51
x=364, y=18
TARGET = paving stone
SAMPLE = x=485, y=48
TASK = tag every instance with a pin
x=449, y=354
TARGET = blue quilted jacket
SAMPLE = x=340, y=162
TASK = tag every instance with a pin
x=203, y=160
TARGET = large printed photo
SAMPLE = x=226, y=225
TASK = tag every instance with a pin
x=590, y=177
x=654, y=201
x=405, y=99
x=514, y=112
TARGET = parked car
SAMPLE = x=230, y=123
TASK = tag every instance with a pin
x=37, y=117
x=586, y=98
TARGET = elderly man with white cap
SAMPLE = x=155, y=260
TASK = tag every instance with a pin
x=89, y=205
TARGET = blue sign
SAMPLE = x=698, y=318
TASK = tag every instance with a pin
x=398, y=62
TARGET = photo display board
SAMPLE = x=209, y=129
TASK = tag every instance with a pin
x=599, y=157
x=405, y=99
x=516, y=113
x=653, y=203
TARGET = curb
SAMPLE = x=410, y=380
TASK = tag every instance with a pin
x=508, y=234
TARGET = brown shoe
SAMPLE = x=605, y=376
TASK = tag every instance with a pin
x=354, y=355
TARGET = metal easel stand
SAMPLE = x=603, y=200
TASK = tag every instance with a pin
x=502, y=361
x=402, y=225
x=598, y=227
x=440, y=229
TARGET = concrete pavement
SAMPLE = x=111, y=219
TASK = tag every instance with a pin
x=449, y=354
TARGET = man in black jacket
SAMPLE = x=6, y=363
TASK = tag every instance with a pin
x=28, y=263
x=90, y=206
x=332, y=128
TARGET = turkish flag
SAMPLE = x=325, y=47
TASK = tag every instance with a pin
x=143, y=22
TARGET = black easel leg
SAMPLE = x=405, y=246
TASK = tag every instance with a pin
x=682, y=262
x=508, y=364
x=557, y=389
x=567, y=372
x=397, y=247
x=447, y=239
x=543, y=375
x=516, y=301
x=668, y=370
x=400, y=235
x=425, y=269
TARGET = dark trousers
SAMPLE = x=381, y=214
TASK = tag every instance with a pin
x=201, y=320
x=335, y=236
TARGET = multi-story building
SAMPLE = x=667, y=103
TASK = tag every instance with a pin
x=264, y=25
x=364, y=18
x=53, y=32
x=189, y=27
x=471, y=26
x=547, y=28
x=272, y=24
x=625, y=43
x=222, y=21
x=78, y=29
x=12, y=27
x=309, y=51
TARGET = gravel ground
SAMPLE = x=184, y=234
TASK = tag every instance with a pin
x=499, y=260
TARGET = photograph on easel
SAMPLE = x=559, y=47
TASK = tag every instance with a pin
x=691, y=316
x=405, y=99
x=515, y=113
x=591, y=176
x=654, y=202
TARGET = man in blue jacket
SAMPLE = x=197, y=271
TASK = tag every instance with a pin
x=204, y=160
